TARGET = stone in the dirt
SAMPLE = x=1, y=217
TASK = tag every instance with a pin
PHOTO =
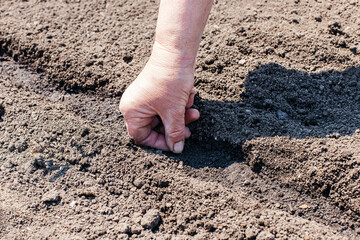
x=136, y=229
x=52, y=196
x=73, y=204
x=265, y=235
x=28, y=167
x=123, y=228
x=151, y=219
x=304, y=206
x=138, y=183
x=242, y=62
x=137, y=217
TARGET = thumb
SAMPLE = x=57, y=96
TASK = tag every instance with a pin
x=174, y=123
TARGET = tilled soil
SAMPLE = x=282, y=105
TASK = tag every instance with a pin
x=275, y=154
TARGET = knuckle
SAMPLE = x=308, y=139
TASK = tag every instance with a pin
x=123, y=107
x=126, y=109
x=133, y=134
x=177, y=113
x=176, y=134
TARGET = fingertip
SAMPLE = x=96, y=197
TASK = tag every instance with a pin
x=191, y=115
x=196, y=114
x=174, y=124
x=178, y=147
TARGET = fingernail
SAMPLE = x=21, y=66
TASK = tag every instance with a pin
x=179, y=147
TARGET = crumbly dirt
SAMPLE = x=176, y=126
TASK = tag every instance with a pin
x=275, y=154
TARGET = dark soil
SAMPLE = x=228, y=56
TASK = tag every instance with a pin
x=275, y=154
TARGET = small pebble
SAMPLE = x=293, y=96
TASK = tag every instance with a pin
x=136, y=229
x=138, y=183
x=304, y=206
x=242, y=62
x=123, y=228
x=137, y=217
x=72, y=204
x=181, y=165
x=51, y=196
x=151, y=219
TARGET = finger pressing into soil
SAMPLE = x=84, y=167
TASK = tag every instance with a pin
x=191, y=115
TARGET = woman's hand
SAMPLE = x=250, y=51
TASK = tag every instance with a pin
x=157, y=105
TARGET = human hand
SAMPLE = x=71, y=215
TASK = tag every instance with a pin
x=164, y=89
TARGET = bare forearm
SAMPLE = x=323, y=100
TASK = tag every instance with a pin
x=164, y=87
x=179, y=29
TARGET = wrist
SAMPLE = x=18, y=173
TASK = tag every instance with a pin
x=171, y=57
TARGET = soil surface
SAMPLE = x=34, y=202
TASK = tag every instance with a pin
x=275, y=155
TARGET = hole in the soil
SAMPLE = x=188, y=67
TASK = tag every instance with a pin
x=257, y=167
x=162, y=184
x=128, y=59
x=39, y=70
x=85, y=132
x=335, y=29
x=53, y=202
x=16, y=57
x=2, y=112
x=84, y=167
x=326, y=191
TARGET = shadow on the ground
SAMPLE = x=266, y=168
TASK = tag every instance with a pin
x=276, y=102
